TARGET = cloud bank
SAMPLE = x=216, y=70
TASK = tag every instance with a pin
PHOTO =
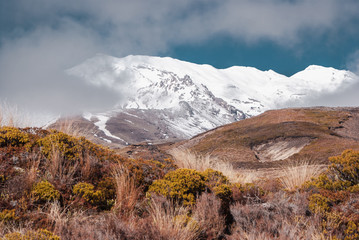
x=40, y=39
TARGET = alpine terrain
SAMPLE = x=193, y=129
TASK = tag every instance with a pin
x=168, y=99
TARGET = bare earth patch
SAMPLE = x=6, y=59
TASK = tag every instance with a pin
x=280, y=148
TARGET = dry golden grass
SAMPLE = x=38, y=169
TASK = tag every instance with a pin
x=127, y=193
x=62, y=219
x=187, y=159
x=296, y=175
x=71, y=127
x=6, y=228
x=59, y=168
x=184, y=158
x=57, y=216
x=248, y=176
x=170, y=221
x=11, y=116
x=207, y=214
x=33, y=168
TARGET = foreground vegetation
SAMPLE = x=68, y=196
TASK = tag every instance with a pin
x=57, y=186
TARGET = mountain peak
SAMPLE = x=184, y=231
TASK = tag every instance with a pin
x=187, y=98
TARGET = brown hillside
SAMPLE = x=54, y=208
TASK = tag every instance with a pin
x=278, y=136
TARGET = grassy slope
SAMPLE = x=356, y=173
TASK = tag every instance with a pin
x=234, y=142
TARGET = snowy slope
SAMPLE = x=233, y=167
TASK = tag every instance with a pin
x=191, y=98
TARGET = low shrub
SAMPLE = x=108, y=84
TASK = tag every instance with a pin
x=319, y=204
x=44, y=192
x=95, y=197
x=70, y=147
x=352, y=231
x=183, y=185
x=342, y=174
x=346, y=166
x=7, y=216
x=14, y=137
x=41, y=234
x=327, y=181
x=223, y=192
x=247, y=193
x=214, y=178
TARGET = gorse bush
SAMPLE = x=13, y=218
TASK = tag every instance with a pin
x=182, y=184
x=352, y=231
x=346, y=166
x=334, y=192
x=103, y=198
x=70, y=147
x=223, y=192
x=214, y=178
x=14, y=137
x=319, y=204
x=342, y=174
x=44, y=191
x=87, y=192
x=7, y=216
x=185, y=185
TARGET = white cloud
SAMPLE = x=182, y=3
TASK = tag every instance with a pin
x=152, y=25
x=32, y=72
x=42, y=38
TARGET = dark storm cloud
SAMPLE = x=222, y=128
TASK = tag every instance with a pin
x=40, y=39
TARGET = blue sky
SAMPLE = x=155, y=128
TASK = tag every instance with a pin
x=39, y=39
x=224, y=52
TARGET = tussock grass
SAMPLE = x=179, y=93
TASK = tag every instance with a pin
x=11, y=116
x=207, y=214
x=59, y=216
x=32, y=169
x=127, y=193
x=296, y=175
x=187, y=159
x=170, y=221
x=73, y=128
x=60, y=168
x=247, y=176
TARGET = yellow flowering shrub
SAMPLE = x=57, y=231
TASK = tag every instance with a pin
x=103, y=198
x=319, y=204
x=70, y=147
x=182, y=184
x=44, y=191
x=214, y=178
x=346, y=166
x=14, y=137
x=223, y=192
x=352, y=231
x=8, y=216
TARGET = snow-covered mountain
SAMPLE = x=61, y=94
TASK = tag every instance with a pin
x=167, y=98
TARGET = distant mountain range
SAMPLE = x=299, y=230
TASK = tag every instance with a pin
x=169, y=99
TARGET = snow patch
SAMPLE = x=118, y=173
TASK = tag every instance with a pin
x=101, y=124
